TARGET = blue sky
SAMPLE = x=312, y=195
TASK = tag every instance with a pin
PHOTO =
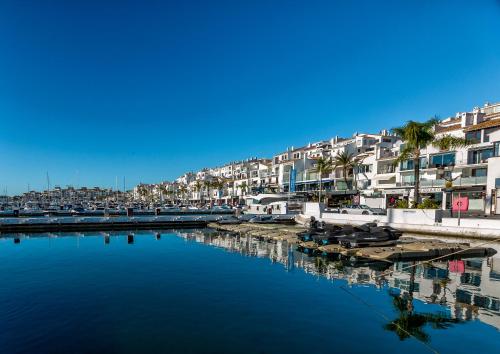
x=91, y=90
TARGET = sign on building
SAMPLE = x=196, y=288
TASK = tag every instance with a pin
x=461, y=204
x=293, y=177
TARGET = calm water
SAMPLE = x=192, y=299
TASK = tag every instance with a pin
x=212, y=293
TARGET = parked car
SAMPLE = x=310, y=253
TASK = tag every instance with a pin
x=361, y=210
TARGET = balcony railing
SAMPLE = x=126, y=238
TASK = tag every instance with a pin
x=440, y=183
x=386, y=169
x=470, y=181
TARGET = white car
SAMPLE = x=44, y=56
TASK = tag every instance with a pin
x=361, y=210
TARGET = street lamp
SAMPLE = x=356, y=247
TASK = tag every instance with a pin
x=449, y=183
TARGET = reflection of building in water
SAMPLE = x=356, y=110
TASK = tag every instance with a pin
x=469, y=288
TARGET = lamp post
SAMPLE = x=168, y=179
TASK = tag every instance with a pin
x=450, y=179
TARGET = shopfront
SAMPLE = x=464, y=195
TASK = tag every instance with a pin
x=392, y=196
x=475, y=197
x=433, y=193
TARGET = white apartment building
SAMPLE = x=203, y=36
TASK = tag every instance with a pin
x=466, y=168
x=376, y=180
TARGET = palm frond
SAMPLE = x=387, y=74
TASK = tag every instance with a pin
x=432, y=122
x=448, y=142
x=343, y=159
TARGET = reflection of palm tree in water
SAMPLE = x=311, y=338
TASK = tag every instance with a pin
x=320, y=265
x=410, y=323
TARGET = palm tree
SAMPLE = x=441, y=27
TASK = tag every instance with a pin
x=163, y=191
x=323, y=165
x=417, y=136
x=183, y=190
x=198, y=186
x=169, y=194
x=218, y=184
x=143, y=191
x=346, y=161
x=243, y=187
x=208, y=186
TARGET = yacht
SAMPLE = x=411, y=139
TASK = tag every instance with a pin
x=273, y=204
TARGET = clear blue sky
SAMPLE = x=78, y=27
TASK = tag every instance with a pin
x=90, y=90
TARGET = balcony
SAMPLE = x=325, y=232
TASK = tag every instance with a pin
x=470, y=181
x=387, y=155
x=386, y=169
x=440, y=183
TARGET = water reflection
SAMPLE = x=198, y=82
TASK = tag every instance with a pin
x=410, y=323
x=463, y=289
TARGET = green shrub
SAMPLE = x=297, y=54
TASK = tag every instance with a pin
x=402, y=204
x=428, y=204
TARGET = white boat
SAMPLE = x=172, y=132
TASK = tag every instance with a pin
x=273, y=204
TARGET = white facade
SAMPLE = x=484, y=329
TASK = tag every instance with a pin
x=376, y=178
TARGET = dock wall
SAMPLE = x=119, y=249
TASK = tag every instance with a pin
x=417, y=221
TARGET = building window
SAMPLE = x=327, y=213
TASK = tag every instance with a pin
x=496, y=149
x=364, y=168
x=487, y=133
x=474, y=137
x=408, y=164
x=479, y=156
x=439, y=160
x=479, y=172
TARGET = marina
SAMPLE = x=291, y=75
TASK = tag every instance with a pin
x=249, y=177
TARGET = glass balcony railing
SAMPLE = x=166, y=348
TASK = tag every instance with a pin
x=440, y=183
x=432, y=183
x=470, y=181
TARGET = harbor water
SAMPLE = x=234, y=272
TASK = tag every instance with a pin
x=201, y=291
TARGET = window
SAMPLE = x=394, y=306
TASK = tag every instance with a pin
x=479, y=172
x=364, y=168
x=447, y=159
x=408, y=164
x=474, y=137
x=480, y=156
x=496, y=149
x=487, y=133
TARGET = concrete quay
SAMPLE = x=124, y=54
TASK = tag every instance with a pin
x=427, y=222
x=63, y=224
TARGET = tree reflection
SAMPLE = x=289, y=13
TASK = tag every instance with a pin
x=410, y=323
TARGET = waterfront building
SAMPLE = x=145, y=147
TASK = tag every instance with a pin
x=463, y=170
x=374, y=178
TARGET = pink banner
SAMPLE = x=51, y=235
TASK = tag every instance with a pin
x=456, y=266
x=461, y=204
